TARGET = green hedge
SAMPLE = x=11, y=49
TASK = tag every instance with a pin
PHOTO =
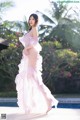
x=61, y=68
x=9, y=60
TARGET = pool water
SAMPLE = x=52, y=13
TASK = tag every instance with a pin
x=69, y=105
x=60, y=105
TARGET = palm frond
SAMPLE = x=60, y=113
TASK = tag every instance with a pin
x=6, y=5
x=45, y=26
x=67, y=12
x=46, y=17
x=58, y=9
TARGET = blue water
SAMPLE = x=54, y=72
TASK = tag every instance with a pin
x=69, y=105
x=60, y=105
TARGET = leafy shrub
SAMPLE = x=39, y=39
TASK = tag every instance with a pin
x=61, y=68
x=9, y=60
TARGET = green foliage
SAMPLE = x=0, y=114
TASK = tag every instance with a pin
x=8, y=94
x=61, y=25
x=61, y=67
x=61, y=71
x=5, y=5
x=17, y=26
x=9, y=60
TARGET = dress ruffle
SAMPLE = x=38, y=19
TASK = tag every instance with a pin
x=32, y=95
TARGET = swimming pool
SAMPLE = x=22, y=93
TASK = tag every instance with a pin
x=60, y=105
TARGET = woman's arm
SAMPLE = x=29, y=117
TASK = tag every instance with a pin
x=29, y=47
x=34, y=35
x=34, y=32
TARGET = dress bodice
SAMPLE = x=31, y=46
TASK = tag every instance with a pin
x=27, y=40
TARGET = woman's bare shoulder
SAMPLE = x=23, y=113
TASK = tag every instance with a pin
x=34, y=32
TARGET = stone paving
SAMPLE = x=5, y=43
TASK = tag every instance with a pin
x=14, y=113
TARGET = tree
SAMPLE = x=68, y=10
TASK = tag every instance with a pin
x=12, y=30
x=4, y=31
x=17, y=26
x=5, y=5
x=60, y=25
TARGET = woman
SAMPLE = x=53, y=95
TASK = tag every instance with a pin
x=32, y=95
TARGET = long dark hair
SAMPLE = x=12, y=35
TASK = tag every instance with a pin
x=35, y=16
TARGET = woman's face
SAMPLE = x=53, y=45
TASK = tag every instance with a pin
x=32, y=21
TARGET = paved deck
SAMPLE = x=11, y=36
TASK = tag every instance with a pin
x=14, y=113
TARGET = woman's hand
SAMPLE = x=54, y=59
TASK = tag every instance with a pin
x=29, y=47
x=25, y=51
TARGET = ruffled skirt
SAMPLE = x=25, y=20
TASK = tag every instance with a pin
x=32, y=94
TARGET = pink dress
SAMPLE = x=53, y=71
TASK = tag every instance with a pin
x=32, y=94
